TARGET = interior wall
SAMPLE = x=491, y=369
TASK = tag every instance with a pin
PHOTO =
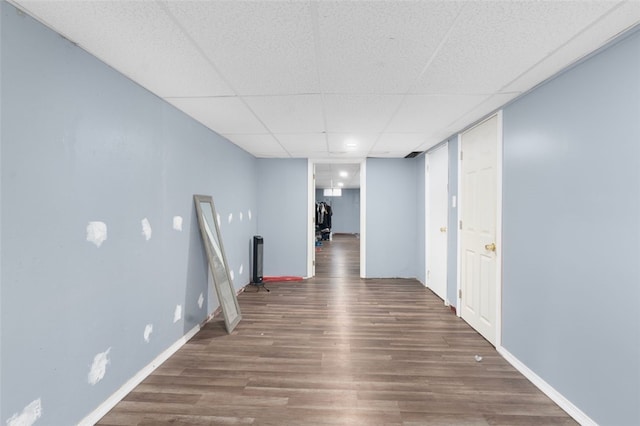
x=571, y=233
x=282, y=222
x=81, y=144
x=346, y=210
x=392, y=217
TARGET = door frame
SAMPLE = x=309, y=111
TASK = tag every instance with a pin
x=311, y=212
x=460, y=203
x=444, y=146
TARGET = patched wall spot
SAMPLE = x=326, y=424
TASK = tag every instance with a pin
x=99, y=367
x=177, y=314
x=97, y=233
x=200, y=300
x=148, y=329
x=146, y=229
x=28, y=416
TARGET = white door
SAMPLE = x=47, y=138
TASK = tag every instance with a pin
x=437, y=218
x=478, y=213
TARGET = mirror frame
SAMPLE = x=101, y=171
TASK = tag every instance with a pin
x=231, y=319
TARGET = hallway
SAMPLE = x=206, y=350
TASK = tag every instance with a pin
x=338, y=349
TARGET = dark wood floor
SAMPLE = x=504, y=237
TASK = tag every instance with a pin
x=337, y=349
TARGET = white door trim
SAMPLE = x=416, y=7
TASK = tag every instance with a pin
x=311, y=211
x=363, y=219
x=311, y=214
x=499, y=165
x=499, y=232
x=426, y=220
x=459, y=202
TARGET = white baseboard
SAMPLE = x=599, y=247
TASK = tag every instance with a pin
x=577, y=414
x=111, y=402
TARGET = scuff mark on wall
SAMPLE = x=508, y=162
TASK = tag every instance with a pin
x=200, y=300
x=177, y=223
x=146, y=229
x=99, y=367
x=148, y=329
x=28, y=416
x=177, y=314
x=97, y=233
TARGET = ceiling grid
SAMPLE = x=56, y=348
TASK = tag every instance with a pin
x=337, y=81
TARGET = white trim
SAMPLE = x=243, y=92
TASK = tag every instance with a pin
x=499, y=231
x=363, y=219
x=459, y=202
x=577, y=414
x=426, y=220
x=117, y=396
x=311, y=212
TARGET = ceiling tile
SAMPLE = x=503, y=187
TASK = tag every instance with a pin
x=315, y=142
x=378, y=47
x=138, y=39
x=495, y=42
x=359, y=113
x=259, y=145
x=481, y=110
x=399, y=142
x=427, y=113
x=289, y=114
x=339, y=143
x=260, y=47
x=223, y=115
x=622, y=17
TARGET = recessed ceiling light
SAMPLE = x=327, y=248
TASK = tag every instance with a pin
x=344, y=174
x=351, y=143
x=340, y=184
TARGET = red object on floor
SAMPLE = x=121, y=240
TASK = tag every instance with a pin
x=282, y=278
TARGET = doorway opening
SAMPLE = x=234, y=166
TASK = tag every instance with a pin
x=335, y=228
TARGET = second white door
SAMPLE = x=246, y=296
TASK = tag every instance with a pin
x=437, y=218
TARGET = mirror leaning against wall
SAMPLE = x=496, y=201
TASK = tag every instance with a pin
x=218, y=265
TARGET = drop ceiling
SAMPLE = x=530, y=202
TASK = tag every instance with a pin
x=337, y=80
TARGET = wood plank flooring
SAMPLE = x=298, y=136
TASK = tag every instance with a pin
x=338, y=350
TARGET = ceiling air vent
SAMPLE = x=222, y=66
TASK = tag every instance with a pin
x=413, y=154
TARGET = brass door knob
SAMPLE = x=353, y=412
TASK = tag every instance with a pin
x=490, y=247
x=443, y=229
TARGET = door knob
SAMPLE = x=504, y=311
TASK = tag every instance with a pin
x=443, y=229
x=490, y=247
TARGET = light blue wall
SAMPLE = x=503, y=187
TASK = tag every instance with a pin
x=80, y=143
x=282, y=207
x=346, y=210
x=392, y=215
x=571, y=233
x=452, y=229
